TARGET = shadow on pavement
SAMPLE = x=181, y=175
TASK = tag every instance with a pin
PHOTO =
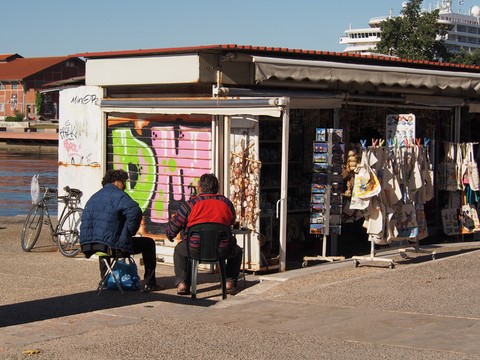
x=55, y=307
x=416, y=258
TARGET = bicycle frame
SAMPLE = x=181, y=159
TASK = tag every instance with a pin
x=54, y=230
x=66, y=232
x=69, y=204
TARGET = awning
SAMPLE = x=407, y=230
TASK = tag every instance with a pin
x=268, y=69
x=260, y=106
x=299, y=99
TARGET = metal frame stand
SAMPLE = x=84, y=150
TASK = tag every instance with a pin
x=416, y=248
x=372, y=257
x=324, y=256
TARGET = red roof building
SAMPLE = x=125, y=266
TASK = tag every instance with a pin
x=22, y=78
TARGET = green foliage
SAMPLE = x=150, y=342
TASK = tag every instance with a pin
x=38, y=102
x=413, y=35
x=18, y=117
x=466, y=57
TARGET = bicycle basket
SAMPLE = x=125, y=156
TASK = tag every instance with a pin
x=35, y=190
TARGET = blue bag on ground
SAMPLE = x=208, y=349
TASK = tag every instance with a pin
x=125, y=271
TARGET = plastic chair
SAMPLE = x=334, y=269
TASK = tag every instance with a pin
x=207, y=251
x=108, y=257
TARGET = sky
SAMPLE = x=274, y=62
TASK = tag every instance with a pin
x=34, y=28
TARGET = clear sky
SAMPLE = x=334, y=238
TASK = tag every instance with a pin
x=38, y=28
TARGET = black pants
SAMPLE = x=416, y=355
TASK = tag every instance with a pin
x=183, y=269
x=146, y=247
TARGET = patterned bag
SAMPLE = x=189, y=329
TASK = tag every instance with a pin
x=472, y=169
x=451, y=225
x=422, y=222
x=468, y=218
x=406, y=221
x=366, y=184
x=447, y=170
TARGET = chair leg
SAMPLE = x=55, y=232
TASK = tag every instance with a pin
x=223, y=274
x=103, y=283
x=193, y=285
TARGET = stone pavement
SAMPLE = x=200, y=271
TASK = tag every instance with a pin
x=422, y=309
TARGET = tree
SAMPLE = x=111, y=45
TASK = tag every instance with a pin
x=414, y=34
x=466, y=57
x=38, y=102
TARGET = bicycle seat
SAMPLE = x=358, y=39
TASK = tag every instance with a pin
x=73, y=193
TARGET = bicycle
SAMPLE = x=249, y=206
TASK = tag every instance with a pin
x=67, y=232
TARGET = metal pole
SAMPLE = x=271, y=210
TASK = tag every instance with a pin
x=284, y=184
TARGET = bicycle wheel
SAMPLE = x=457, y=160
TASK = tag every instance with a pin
x=68, y=233
x=32, y=227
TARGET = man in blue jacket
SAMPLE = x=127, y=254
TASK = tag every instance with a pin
x=112, y=218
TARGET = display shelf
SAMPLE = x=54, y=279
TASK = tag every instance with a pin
x=326, y=190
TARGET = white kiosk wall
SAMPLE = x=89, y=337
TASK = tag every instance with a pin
x=81, y=140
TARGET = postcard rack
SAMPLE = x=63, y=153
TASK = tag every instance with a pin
x=326, y=191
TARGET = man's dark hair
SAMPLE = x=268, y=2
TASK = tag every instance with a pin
x=113, y=175
x=209, y=183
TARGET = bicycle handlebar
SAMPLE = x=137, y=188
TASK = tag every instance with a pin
x=71, y=193
x=48, y=190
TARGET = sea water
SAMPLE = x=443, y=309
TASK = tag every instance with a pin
x=16, y=172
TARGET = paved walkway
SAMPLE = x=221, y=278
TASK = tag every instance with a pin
x=422, y=309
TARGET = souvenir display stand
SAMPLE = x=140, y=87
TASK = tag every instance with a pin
x=372, y=257
x=458, y=176
x=392, y=186
x=414, y=241
x=326, y=191
x=415, y=248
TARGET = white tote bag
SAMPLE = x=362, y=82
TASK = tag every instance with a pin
x=35, y=190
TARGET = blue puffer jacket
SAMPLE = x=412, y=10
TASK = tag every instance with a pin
x=110, y=217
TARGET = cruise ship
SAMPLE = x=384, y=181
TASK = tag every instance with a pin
x=464, y=31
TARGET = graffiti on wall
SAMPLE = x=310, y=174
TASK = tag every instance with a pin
x=76, y=143
x=164, y=159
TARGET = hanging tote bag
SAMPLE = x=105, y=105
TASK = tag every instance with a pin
x=451, y=225
x=472, y=169
x=427, y=174
x=460, y=166
x=468, y=218
x=125, y=271
x=357, y=203
x=406, y=222
x=422, y=222
x=447, y=169
x=366, y=183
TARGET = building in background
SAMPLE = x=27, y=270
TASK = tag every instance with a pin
x=463, y=33
x=22, y=78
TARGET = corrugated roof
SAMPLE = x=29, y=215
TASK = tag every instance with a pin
x=279, y=51
x=21, y=68
x=71, y=81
